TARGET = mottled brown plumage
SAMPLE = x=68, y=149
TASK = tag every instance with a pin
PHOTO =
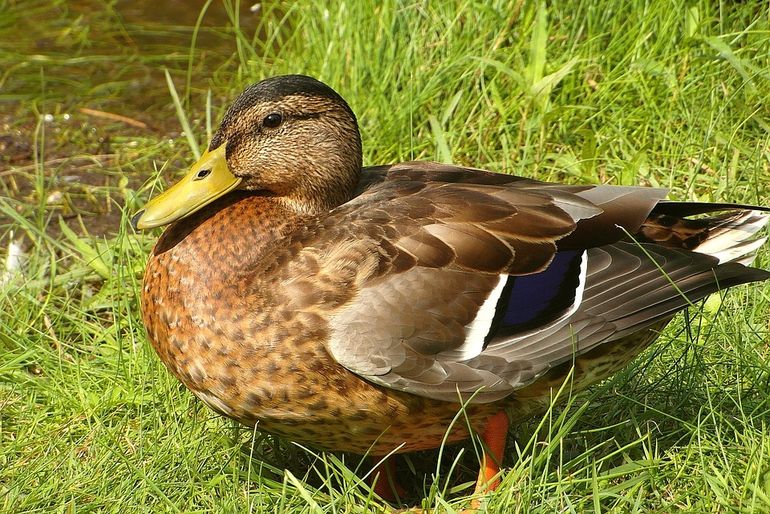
x=355, y=309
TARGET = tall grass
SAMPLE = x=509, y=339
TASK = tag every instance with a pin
x=649, y=92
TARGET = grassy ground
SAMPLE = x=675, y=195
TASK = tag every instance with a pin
x=656, y=92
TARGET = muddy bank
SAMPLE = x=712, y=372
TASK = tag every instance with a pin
x=85, y=111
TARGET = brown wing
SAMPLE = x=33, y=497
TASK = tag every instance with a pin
x=417, y=262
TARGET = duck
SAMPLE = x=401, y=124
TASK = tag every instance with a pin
x=361, y=309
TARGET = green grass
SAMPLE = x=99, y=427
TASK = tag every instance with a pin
x=657, y=93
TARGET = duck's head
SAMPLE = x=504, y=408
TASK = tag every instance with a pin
x=290, y=137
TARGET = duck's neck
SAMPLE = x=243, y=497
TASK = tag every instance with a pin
x=226, y=237
x=322, y=188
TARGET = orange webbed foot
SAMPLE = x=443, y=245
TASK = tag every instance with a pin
x=384, y=480
x=494, y=437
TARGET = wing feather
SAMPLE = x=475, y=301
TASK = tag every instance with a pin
x=424, y=247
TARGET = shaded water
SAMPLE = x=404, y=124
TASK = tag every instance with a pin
x=113, y=53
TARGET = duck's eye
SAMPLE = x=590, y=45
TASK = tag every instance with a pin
x=202, y=174
x=272, y=120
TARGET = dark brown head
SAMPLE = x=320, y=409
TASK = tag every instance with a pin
x=291, y=137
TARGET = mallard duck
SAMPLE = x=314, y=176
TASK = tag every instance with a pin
x=359, y=309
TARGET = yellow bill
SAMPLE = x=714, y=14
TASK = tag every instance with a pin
x=207, y=180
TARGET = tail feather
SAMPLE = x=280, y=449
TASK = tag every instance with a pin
x=729, y=236
x=733, y=240
x=684, y=209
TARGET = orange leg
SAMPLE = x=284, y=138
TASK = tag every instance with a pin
x=494, y=435
x=384, y=480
